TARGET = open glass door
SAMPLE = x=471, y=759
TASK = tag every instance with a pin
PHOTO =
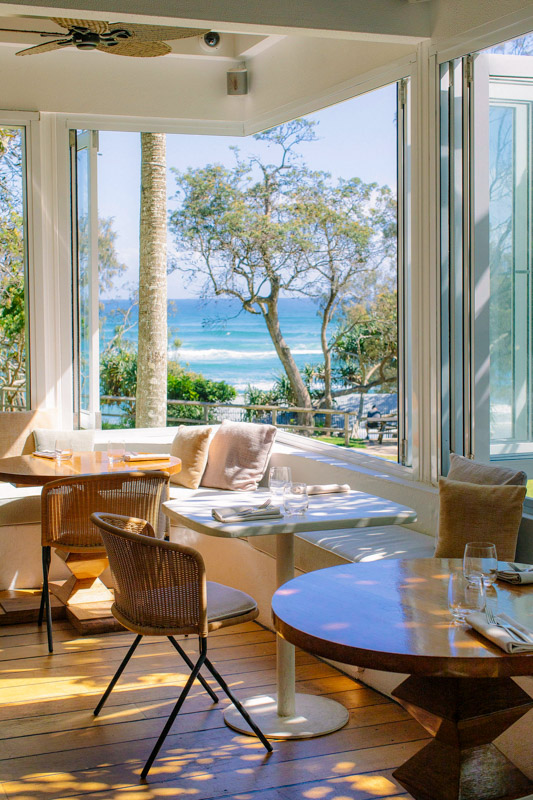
x=83, y=155
x=503, y=192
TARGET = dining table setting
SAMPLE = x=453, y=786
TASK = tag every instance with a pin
x=285, y=508
x=461, y=629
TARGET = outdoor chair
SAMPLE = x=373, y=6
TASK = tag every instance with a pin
x=161, y=590
x=66, y=507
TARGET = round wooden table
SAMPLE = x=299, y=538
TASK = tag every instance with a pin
x=33, y=470
x=393, y=616
x=84, y=585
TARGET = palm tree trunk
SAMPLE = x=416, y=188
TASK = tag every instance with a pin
x=151, y=405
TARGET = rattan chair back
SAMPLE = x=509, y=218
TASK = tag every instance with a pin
x=160, y=587
x=67, y=505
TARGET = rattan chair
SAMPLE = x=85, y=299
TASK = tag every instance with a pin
x=66, y=507
x=161, y=590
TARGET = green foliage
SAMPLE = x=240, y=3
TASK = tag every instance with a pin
x=12, y=305
x=118, y=378
x=367, y=347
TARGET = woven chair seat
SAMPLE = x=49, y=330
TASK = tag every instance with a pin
x=225, y=605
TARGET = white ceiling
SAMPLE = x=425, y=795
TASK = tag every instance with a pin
x=190, y=82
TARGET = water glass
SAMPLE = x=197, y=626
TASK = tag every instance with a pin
x=63, y=448
x=116, y=452
x=278, y=478
x=465, y=596
x=295, y=498
x=480, y=561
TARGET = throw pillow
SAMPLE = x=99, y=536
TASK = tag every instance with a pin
x=81, y=441
x=472, y=512
x=191, y=444
x=238, y=455
x=464, y=469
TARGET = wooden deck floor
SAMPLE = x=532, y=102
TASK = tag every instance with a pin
x=52, y=747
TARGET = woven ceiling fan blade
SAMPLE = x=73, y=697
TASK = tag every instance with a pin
x=42, y=48
x=94, y=25
x=136, y=49
x=154, y=33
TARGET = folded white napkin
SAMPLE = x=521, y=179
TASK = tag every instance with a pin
x=524, y=575
x=44, y=453
x=147, y=457
x=498, y=635
x=327, y=488
x=240, y=513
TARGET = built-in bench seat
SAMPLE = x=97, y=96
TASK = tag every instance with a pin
x=318, y=549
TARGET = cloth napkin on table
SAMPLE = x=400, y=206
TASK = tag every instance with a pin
x=44, y=453
x=147, y=457
x=327, y=488
x=241, y=513
x=524, y=575
x=498, y=635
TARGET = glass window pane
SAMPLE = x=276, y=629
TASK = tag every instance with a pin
x=13, y=355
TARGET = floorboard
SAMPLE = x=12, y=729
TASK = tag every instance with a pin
x=52, y=747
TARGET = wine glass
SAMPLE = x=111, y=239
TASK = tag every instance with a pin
x=480, y=561
x=278, y=478
x=465, y=596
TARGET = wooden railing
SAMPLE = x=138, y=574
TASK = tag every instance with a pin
x=346, y=427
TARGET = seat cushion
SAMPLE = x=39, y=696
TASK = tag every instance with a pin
x=464, y=469
x=19, y=506
x=191, y=445
x=16, y=437
x=471, y=512
x=223, y=602
x=45, y=439
x=372, y=544
x=238, y=455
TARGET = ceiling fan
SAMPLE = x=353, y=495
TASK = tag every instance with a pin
x=119, y=38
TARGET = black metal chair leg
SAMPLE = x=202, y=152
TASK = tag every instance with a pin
x=41, y=607
x=190, y=664
x=174, y=712
x=117, y=674
x=46, y=595
x=238, y=705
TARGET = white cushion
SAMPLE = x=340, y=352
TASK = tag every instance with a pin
x=19, y=506
x=223, y=602
x=373, y=544
x=45, y=439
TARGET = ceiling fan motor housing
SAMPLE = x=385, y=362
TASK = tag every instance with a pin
x=85, y=39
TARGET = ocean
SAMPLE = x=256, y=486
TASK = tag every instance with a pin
x=224, y=343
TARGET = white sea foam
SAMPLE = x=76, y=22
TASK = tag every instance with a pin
x=214, y=354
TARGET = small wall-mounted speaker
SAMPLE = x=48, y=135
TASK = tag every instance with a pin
x=237, y=81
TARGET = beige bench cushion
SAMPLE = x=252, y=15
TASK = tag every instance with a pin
x=16, y=437
x=372, y=544
x=19, y=506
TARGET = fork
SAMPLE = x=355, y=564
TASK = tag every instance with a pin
x=493, y=620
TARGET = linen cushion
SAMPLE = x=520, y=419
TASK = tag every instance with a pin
x=191, y=444
x=45, y=439
x=238, y=455
x=224, y=602
x=16, y=437
x=464, y=469
x=472, y=512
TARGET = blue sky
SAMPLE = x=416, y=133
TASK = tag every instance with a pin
x=356, y=138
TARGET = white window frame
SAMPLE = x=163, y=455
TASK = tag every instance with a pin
x=405, y=69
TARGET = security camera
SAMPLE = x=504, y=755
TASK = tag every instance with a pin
x=212, y=39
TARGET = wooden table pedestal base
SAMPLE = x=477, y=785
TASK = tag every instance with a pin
x=84, y=585
x=464, y=715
